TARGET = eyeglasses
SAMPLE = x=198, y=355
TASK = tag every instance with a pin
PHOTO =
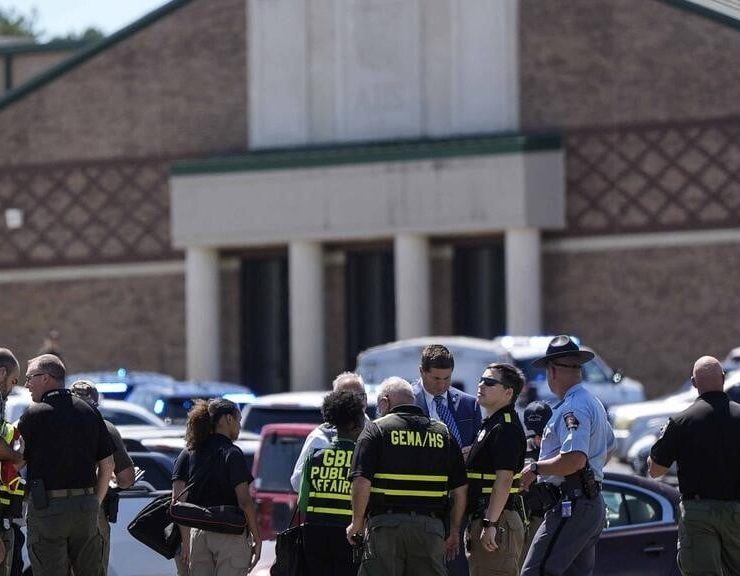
x=30, y=377
x=491, y=382
x=563, y=365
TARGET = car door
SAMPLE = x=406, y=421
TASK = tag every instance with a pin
x=641, y=536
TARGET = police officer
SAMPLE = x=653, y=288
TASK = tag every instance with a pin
x=404, y=468
x=575, y=447
x=69, y=455
x=11, y=484
x=536, y=416
x=494, y=462
x=324, y=495
x=705, y=441
x=123, y=466
x=219, y=468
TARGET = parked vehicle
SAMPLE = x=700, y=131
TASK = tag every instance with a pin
x=292, y=407
x=608, y=385
x=402, y=358
x=273, y=495
x=172, y=400
x=633, y=421
x=118, y=384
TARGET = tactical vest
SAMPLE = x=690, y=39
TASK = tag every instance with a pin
x=329, y=497
x=414, y=461
x=12, y=486
x=482, y=471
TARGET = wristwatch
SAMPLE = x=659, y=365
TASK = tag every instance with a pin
x=486, y=523
x=534, y=468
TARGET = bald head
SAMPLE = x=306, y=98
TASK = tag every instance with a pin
x=397, y=390
x=708, y=374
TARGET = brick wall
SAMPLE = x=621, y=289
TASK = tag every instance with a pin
x=601, y=62
x=177, y=87
x=651, y=312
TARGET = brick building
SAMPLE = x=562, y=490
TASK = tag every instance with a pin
x=255, y=190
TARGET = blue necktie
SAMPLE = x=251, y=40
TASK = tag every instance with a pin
x=444, y=414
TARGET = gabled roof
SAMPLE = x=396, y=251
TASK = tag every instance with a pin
x=724, y=11
x=86, y=54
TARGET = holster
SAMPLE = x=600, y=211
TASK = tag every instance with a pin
x=110, y=505
x=541, y=497
x=581, y=484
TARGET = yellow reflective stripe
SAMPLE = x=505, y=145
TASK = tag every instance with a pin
x=490, y=490
x=320, y=510
x=507, y=418
x=419, y=493
x=329, y=495
x=481, y=476
x=419, y=477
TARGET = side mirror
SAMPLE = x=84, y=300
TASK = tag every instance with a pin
x=617, y=377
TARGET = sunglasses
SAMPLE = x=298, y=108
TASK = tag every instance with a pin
x=491, y=382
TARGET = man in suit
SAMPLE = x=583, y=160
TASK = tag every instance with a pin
x=458, y=410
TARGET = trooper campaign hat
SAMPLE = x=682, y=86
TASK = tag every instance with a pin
x=560, y=347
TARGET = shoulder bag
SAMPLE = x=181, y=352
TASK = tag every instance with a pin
x=289, y=559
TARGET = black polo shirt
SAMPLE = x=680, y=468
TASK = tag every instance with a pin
x=218, y=467
x=64, y=439
x=500, y=444
x=366, y=458
x=704, y=440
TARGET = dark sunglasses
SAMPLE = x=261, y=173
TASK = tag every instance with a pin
x=491, y=382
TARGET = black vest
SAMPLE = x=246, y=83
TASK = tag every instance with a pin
x=412, y=474
x=329, y=497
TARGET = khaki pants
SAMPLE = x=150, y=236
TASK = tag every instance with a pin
x=404, y=545
x=505, y=560
x=215, y=554
x=65, y=534
x=708, y=540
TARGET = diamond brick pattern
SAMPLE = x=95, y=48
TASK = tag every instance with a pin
x=650, y=178
x=86, y=213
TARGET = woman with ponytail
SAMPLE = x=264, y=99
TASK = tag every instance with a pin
x=221, y=477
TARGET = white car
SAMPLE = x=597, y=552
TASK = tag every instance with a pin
x=632, y=422
x=609, y=386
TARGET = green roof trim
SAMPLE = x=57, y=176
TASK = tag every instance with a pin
x=34, y=47
x=366, y=153
x=89, y=52
x=713, y=14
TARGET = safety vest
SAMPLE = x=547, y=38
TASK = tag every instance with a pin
x=412, y=474
x=329, y=497
x=12, y=486
x=482, y=467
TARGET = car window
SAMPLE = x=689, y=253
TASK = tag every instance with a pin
x=119, y=418
x=258, y=416
x=155, y=472
x=627, y=508
x=278, y=455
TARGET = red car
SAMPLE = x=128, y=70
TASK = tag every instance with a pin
x=279, y=448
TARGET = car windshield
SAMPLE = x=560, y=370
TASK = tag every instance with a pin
x=258, y=416
x=278, y=455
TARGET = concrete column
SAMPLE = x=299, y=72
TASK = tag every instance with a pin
x=412, y=286
x=202, y=295
x=523, y=282
x=306, y=295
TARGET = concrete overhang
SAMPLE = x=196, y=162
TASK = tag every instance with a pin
x=433, y=187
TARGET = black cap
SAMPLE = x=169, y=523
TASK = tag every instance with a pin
x=536, y=415
x=560, y=347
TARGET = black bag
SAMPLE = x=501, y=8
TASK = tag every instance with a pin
x=154, y=528
x=224, y=519
x=289, y=559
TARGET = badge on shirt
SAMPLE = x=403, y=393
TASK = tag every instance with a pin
x=481, y=435
x=662, y=428
x=571, y=422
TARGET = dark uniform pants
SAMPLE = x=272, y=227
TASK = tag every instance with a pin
x=104, y=526
x=709, y=538
x=504, y=561
x=327, y=551
x=63, y=534
x=8, y=538
x=529, y=531
x=404, y=545
x=567, y=546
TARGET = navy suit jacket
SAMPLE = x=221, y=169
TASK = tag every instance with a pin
x=464, y=407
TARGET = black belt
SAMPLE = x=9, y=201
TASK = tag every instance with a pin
x=572, y=493
x=429, y=513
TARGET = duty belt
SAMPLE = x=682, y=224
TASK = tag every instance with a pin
x=70, y=492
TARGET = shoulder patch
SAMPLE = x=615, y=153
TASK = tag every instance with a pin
x=663, y=428
x=571, y=422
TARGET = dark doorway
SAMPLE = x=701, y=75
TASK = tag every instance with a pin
x=370, y=297
x=265, y=329
x=479, y=291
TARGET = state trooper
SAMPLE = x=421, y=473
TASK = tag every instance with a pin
x=576, y=445
x=496, y=457
x=324, y=494
x=404, y=470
